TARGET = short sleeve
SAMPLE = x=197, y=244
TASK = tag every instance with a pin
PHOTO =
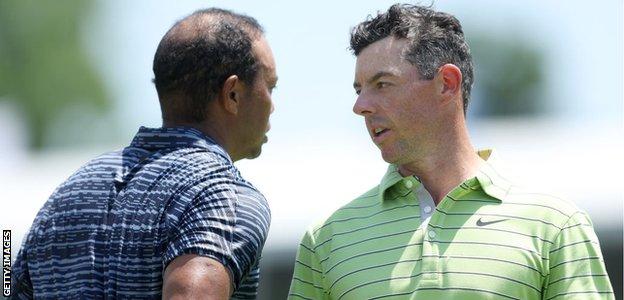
x=207, y=226
x=577, y=269
x=307, y=281
x=249, y=286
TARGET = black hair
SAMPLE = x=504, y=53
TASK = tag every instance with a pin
x=197, y=55
x=435, y=39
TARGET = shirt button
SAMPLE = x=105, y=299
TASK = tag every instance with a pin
x=432, y=234
x=427, y=209
x=408, y=184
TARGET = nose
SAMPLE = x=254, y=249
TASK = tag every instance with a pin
x=363, y=105
x=272, y=107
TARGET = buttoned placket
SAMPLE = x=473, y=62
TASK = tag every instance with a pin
x=430, y=257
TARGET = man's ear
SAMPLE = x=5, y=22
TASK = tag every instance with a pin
x=230, y=94
x=450, y=80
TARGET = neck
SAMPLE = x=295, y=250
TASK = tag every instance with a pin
x=445, y=166
x=211, y=129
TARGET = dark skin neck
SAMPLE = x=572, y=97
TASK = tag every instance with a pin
x=212, y=129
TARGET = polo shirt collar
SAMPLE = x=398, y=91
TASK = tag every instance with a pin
x=490, y=180
x=155, y=139
x=390, y=181
x=487, y=178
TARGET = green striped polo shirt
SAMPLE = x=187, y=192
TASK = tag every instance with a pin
x=487, y=239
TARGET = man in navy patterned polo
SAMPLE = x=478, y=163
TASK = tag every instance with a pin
x=168, y=216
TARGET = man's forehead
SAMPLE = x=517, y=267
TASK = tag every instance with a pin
x=270, y=73
x=383, y=57
x=264, y=55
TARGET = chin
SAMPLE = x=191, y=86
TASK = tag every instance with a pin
x=255, y=153
x=389, y=157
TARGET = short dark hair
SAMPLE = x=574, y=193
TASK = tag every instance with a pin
x=435, y=39
x=197, y=55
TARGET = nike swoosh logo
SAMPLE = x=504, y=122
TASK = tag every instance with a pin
x=481, y=223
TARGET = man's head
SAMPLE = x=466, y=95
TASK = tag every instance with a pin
x=413, y=77
x=434, y=39
x=215, y=70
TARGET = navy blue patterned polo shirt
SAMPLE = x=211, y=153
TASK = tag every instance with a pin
x=110, y=230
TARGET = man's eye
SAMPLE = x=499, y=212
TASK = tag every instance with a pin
x=357, y=92
x=382, y=85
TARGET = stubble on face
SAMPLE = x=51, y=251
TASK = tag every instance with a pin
x=392, y=98
x=259, y=102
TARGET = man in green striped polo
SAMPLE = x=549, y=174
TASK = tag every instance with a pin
x=442, y=223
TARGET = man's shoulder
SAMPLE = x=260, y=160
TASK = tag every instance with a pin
x=356, y=208
x=197, y=157
x=545, y=206
x=194, y=160
x=368, y=199
x=188, y=164
x=188, y=169
x=99, y=166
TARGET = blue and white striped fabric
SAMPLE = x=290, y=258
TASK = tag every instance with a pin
x=110, y=230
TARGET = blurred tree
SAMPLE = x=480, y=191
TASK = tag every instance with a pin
x=509, y=76
x=44, y=68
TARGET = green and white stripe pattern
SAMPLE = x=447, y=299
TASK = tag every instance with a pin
x=486, y=239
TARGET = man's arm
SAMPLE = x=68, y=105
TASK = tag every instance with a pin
x=577, y=269
x=192, y=276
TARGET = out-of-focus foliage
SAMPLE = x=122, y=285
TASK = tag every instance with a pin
x=509, y=77
x=44, y=68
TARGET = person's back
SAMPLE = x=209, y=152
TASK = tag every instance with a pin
x=169, y=216
x=126, y=210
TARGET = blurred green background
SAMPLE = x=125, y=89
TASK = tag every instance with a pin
x=45, y=69
x=75, y=82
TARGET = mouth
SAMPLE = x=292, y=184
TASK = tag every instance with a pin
x=379, y=134
x=378, y=131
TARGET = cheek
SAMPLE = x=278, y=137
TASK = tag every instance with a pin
x=260, y=117
x=403, y=114
x=267, y=107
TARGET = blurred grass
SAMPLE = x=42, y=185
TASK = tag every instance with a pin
x=44, y=68
x=509, y=72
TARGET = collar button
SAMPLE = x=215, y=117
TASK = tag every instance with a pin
x=408, y=184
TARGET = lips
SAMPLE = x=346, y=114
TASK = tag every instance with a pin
x=379, y=133
x=266, y=139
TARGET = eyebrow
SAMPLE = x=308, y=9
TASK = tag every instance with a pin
x=375, y=77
